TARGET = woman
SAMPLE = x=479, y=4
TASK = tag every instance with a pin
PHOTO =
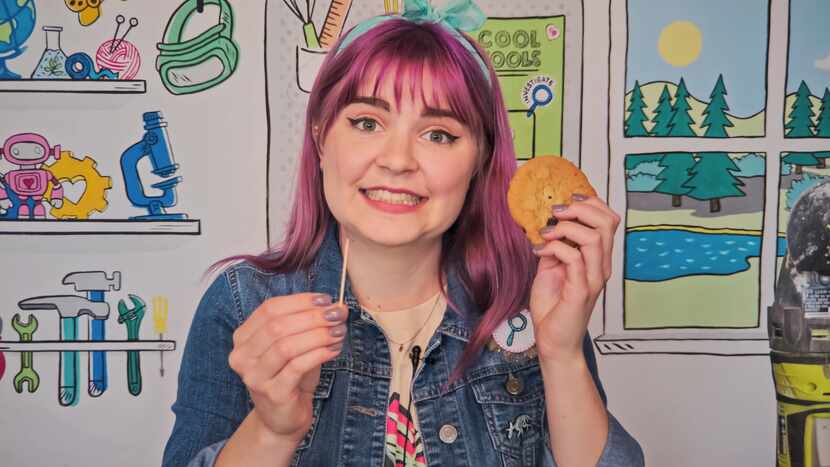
x=406, y=159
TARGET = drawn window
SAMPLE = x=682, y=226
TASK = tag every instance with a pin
x=691, y=154
x=696, y=69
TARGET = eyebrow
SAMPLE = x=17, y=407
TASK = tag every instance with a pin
x=428, y=111
x=373, y=101
x=433, y=112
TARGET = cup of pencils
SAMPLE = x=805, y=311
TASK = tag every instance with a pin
x=312, y=51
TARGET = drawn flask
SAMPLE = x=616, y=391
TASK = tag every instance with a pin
x=52, y=64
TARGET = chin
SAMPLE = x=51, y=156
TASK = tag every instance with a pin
x=387, y=234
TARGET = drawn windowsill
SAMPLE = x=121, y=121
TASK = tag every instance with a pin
x=100, y=227
x=705, y=342
x=84, y=86
x=88, y=346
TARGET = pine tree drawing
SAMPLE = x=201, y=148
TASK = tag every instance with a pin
x=823, y=121
x=822, y=157
x=715, y=120
x=662, y=114
x=823, y=128
x=681, y=122
x=634, y=123
x=800, y=159
x=800, y=124
x=712, y=179
x=674, y=175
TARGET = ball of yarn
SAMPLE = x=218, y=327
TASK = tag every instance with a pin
x=123, y=59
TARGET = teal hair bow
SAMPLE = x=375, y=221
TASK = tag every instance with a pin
x=463, y=15
x=457, y=15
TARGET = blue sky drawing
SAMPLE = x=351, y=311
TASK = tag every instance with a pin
x=734, y=43
x=809, y=55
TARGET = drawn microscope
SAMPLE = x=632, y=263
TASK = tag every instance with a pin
x=23, y=189
x=155, y=144
x=798, y=323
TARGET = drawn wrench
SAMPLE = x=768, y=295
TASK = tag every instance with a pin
x=131, y=318
x=27, y=373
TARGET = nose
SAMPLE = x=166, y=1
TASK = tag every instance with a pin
x=398, y=153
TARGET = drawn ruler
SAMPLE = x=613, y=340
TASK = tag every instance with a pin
x=333, y=24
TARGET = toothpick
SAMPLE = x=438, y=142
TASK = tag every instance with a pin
x=343, y=273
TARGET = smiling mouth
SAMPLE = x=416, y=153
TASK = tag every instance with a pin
x=389, y=197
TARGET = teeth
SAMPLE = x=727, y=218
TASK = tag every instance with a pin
x=392, y=198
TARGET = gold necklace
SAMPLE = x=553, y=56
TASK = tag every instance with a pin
x=408, y=341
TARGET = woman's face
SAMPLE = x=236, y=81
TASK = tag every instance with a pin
x=394, y=175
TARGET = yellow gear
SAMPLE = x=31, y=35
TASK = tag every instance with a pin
x=75, y=170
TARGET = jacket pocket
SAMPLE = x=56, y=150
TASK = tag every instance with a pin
x=321, y=393
x=514, y=419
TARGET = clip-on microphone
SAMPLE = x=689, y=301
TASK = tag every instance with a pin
x=415, y=358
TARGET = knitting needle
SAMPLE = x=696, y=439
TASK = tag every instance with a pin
x=133, y=23
x=119, y=20
x=343, y=272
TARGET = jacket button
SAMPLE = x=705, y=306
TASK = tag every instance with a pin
x=513, y=385
x=448, y=434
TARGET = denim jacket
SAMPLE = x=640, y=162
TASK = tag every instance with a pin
x=466, y=424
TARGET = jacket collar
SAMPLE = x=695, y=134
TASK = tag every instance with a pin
x=324, y=276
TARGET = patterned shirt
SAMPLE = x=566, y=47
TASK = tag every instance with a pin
x=403, y=438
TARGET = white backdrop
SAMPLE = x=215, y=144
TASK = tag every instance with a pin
x=692, y=410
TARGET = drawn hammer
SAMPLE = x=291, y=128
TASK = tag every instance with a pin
x=69, y=308
x=95, y=284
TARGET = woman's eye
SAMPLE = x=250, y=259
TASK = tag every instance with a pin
x=364, y=124
x=441, y=137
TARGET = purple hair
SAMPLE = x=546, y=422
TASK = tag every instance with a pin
x=487, y=248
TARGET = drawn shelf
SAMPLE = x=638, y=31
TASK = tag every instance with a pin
x=70, y=86
x=744, y=342
x=100, y=227
x=88, y=346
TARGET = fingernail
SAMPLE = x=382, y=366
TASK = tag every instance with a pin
x=547, y=229
x=559, y=207
x=578, y=197
x=538, y=248
x=338, y=331
x=334, y=314
x=322, y=300
x=336, y=347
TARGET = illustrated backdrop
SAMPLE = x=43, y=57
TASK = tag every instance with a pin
x=699, y=122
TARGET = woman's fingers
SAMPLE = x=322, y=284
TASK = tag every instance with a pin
x=287, y=325
x=594, y=213
x=297, y=369
x=258, y=372
x=589, y=245
x=575, y=272
x=279, y=307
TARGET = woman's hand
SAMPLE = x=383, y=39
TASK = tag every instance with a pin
x=574, y=265
x=278, y=352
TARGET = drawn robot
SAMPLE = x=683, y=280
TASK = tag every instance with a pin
x=30, y=182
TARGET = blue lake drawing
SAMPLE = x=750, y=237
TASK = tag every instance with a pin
x=660, y=255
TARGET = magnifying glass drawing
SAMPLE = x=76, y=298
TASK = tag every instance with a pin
x=541, y=95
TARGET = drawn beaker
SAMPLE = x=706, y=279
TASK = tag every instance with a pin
x=52, y=64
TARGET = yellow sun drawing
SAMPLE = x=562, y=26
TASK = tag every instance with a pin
x=680, y=43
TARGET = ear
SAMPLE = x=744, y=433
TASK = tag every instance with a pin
x=315, y=136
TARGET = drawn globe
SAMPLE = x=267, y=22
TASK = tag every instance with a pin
x=17, y=21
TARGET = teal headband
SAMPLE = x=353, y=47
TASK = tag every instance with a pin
x=457, y=15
